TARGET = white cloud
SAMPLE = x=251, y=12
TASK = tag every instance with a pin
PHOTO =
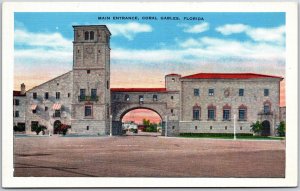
x=198, y=28
x=46, y=40
x=275, y=35
x=232, y=28
x=267, y=34
x=129, y=30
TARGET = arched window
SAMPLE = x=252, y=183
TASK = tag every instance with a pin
x=226, y=112
x=86, y=35
x=196, y=112
x=92, y=35
x=211, y=112
x=242, y=112
x=267, y=107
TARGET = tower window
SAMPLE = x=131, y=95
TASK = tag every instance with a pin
x=86, y=35
x=211, y=92
x=88, y=111
x=69, y=94
x=173, y=79
x=46, y=108
x=172, y=97
x=107, y=84
x=87, y=127
x=88, y=71
x=92, y=35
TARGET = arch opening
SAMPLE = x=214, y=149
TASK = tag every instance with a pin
x=142, y=121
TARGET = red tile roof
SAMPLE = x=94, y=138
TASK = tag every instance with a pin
x=228, y=76
x=138, y=89
x=18, y=93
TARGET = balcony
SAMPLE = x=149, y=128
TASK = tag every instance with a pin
x=88, y=98
x=265, y=113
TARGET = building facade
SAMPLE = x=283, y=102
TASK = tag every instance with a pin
x=199, y=103
x=19, y=106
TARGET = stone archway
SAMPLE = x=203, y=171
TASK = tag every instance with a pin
x=266, y=131
x=120, y=110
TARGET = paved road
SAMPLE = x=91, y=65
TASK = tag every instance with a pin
x=147, y=156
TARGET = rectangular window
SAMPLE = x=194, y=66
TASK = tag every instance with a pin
x=88, y=111
x=266, y=92
x=82, y=94
x=242, y=114
x=46, y=108
x=46, y=95
x=196, y=92
x=172, y=97
x=107, y=84
x=34, y=95
x=88, y=71
x=141, y=98
x=127, y=97
x=69, y=94
x=34, y=111
x=211, y=92
x=17, y=114
x=241, y=92
x=211, y=114
x=93, y=93
x=57, y=95
x=173, y=79
x=266, y=109
x=154, y=97
x=17, y=102
x=196, y=114
x=56, y=113
x=226, y=115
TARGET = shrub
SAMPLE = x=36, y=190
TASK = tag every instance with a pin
x=256, y=127
x=281, y=129
x=64, y=129
x=39, y=128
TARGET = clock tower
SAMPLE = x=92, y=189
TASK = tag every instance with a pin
x=91, y=79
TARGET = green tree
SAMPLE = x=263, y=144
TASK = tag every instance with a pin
x=256, y=127
x=281, y=129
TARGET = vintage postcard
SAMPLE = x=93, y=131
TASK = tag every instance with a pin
x=149, y=94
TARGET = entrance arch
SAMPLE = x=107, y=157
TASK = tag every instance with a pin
x=133, y=121
x=56, y=126
x=266, y=131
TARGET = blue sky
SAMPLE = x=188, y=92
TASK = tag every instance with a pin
x=222, y=42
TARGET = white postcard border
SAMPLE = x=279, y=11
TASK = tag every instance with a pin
x=291, y=92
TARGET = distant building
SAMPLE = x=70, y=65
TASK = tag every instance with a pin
x=199, y=103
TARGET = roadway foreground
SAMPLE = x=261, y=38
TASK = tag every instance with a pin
x=147, y=156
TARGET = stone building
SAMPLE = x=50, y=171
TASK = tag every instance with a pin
x=19, y=105
x=199, y=103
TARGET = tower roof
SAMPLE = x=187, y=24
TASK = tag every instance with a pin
x=91, y=26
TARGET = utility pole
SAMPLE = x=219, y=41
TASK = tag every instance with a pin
x=110, y=125
x=166, y=126
x=234, y=127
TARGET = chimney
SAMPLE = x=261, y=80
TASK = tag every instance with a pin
x=23, y=90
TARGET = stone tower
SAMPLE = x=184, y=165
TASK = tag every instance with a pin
x=91, y=79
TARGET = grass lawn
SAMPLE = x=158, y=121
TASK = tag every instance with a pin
x=228, y=136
